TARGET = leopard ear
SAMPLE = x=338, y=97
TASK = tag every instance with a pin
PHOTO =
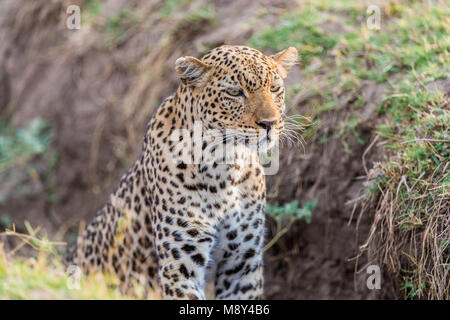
x=285, y=60
x=191, y=70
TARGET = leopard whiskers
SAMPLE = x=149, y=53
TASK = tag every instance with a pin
x=294, y=125
x=294, y=138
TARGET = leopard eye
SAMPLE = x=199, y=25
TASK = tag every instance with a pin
x=275, y=88
x=235, y=92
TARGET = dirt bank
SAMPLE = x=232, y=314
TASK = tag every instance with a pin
x=97, y=87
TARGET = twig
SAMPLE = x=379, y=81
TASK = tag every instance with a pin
x=425, y=139
x=366, y=151
x=279, y=234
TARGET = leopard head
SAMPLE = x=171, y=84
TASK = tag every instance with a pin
x=240, y=90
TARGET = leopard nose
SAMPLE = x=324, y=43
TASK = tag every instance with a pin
x=266, y=124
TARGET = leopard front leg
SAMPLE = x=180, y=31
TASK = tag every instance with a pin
x=240, y=270
x=184, y=252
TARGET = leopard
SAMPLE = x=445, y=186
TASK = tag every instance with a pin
x=187, y=221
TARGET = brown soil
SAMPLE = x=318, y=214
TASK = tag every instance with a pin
x=98, y=94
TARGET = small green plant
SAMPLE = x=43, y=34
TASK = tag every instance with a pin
x=289, y=211
x=119, y=26
x=169, y=6
x=91, y=9
x=18, y=145
x=411, y=288
x=19, y=148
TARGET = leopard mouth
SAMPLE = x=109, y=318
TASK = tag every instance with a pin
x=261, y=142
x=249, y=137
